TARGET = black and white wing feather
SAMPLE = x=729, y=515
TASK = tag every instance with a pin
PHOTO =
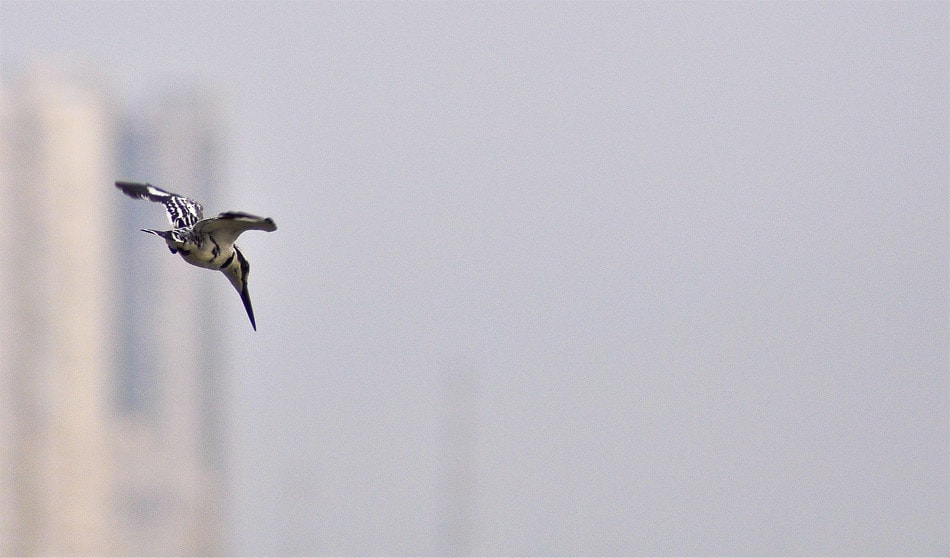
x=226, y=227
x=182, y=212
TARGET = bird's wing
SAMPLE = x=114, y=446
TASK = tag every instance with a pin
x=182, y=211
x=226, y=227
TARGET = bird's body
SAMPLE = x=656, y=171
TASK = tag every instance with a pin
x=207, y=243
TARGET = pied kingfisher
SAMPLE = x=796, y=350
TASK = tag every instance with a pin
x=207, y=243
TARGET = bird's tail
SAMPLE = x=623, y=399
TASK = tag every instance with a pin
x=167, y=235
x=163, y=234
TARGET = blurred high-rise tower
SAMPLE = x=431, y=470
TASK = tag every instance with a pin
x=459, y=453
x=109, y=397
x=168, y=390
x=58, y=328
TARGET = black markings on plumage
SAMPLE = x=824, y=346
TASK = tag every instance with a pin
x=245, y=267
x=183, y=212
x=216, y=249
x=191, y=231
x=237, y=215
x=228, y=261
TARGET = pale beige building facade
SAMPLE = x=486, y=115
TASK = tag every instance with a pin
x=90, y=463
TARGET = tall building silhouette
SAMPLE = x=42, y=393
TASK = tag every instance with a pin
x=168, y=391
x=459, y=450
x=109, y=396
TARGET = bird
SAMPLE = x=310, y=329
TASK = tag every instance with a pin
x=207, y=243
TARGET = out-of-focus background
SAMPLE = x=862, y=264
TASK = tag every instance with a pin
x=550, y=278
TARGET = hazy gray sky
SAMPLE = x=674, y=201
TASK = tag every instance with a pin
x=692, y=257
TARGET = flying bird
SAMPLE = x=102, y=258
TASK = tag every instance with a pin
x=207, y=243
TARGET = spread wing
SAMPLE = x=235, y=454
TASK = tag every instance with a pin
x=182, y=211
x=226, y=227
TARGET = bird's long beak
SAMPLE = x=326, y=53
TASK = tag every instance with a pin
x=246, y=299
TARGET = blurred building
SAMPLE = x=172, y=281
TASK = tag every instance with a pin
x=109, y=397
x=57, y=306
x=459, y=431
x=167, y=390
